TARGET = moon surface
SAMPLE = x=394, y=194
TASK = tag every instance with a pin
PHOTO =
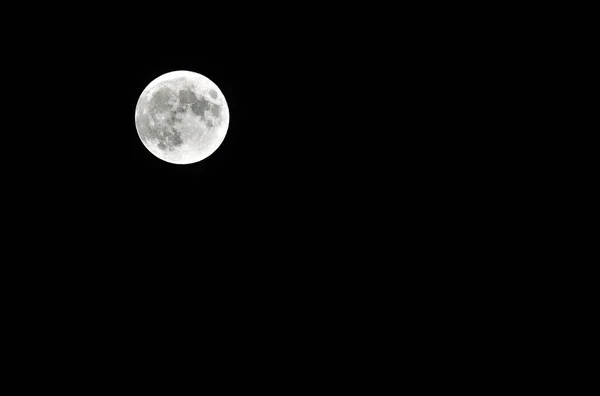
x=182, y=117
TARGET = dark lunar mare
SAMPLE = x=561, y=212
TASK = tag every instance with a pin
x=216, y=110
x=163, y=131
x=160, y=100
x=186, y=97
x=200, y=106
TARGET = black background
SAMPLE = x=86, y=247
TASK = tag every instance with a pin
x=298, y=168
x=347, y=168
x=339, y=220
x=340, y=133
x=301, y=195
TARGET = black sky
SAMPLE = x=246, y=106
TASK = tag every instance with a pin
x=349, y=153
x=275, y=173
x=330, y=119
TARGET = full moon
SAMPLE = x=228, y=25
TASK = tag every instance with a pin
x=182, y=117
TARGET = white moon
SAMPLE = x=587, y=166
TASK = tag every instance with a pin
x=182, y=117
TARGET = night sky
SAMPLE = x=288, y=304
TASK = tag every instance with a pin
x=328, y=122
x=355, y=157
